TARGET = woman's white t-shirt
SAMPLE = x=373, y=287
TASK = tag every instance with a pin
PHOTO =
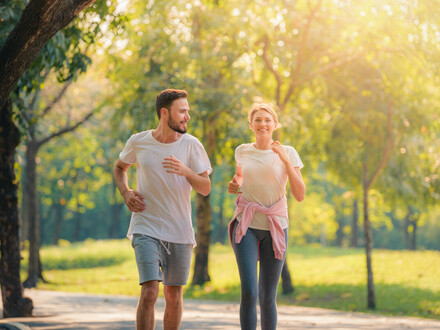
x=167, y=215
x=264, y=179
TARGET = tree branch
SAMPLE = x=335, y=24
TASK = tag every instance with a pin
x=301, y=54
x=57, y=98
x=40, y=21
x=330, y=66
x=65, y=130
x=37, y=93
x=265, y=40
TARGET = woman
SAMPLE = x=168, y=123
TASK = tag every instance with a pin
x=258, y=230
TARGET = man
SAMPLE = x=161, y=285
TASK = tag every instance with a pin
x=169, y=164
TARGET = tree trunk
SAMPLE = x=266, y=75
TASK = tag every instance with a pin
x=221, y=231
x=14, y=303
x=24, y=214
x=286, y=280
x=203, y=238
x=414, y=232
x=340, y=222
x=77, y=233
x=371, y=303
x=59, y=217
x=406, y=224
x=33, y=215
x=354, y=225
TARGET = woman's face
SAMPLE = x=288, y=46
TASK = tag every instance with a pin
x=262, y=124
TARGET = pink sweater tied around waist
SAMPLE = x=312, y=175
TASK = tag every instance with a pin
x=248, y=209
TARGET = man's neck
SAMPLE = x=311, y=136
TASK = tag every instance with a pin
x=164, y=134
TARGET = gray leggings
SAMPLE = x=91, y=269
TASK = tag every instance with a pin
x=246, y=253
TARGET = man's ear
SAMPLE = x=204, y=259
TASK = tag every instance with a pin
x=164, y=112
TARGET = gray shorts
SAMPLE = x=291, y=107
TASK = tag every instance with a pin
x=162, y=261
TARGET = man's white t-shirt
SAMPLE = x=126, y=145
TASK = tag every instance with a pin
x=264, y=179
x=167, y=196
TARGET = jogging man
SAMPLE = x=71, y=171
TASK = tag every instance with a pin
x=169, y=164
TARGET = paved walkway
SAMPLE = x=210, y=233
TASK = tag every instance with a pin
x=61, y=310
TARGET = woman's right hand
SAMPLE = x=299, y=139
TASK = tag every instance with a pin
x=234, y=187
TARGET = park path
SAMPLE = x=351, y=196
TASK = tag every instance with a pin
x=62, y=310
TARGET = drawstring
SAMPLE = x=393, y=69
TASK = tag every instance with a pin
x=166, y=247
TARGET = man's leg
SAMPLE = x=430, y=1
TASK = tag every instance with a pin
x=175, y=273
x=173, y=306
x=146, y=304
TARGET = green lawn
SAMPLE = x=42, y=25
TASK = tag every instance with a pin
x=406, y=282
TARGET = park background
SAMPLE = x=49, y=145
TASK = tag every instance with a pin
x=356, y=86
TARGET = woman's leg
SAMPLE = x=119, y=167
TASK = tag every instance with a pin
x=270, y=272
x=246, y=254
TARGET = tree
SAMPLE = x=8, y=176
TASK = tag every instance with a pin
x=35, y=140
x=39, y=22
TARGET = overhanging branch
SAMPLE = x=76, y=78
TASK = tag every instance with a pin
x=40, y=21
x=301, y=54
x=65, y=130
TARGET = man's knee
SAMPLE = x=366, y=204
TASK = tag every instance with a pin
x=149, y=293
x=173, y=294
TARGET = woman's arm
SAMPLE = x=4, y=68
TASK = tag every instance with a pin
x=297, y=186
x=235, y=184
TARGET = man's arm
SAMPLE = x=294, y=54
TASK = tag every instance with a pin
x=132, y=198
x=199, y=182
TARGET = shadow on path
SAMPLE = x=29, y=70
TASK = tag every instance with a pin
x=62, y=310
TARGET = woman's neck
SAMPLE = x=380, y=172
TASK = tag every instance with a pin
x=263, y=143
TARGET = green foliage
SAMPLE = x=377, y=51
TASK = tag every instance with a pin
x=88, y=254
x=228, y=55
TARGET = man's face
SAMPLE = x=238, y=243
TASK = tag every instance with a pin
x=179, y=115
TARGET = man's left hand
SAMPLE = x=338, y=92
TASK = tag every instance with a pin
x=173, y=165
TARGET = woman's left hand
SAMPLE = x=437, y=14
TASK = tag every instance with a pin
x=278, y=148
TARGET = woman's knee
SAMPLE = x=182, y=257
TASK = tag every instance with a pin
x=249, y=294
x=267, y=301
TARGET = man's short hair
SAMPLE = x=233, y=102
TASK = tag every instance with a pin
x=166, y=98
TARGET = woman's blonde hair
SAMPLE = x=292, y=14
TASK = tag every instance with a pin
x=266, y=107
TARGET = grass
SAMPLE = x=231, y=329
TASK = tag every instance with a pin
x=407, y=283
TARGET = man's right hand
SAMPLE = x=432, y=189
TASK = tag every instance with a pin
x=133, y=200
x=233, y=186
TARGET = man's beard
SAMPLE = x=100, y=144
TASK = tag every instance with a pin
x=175, y=126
